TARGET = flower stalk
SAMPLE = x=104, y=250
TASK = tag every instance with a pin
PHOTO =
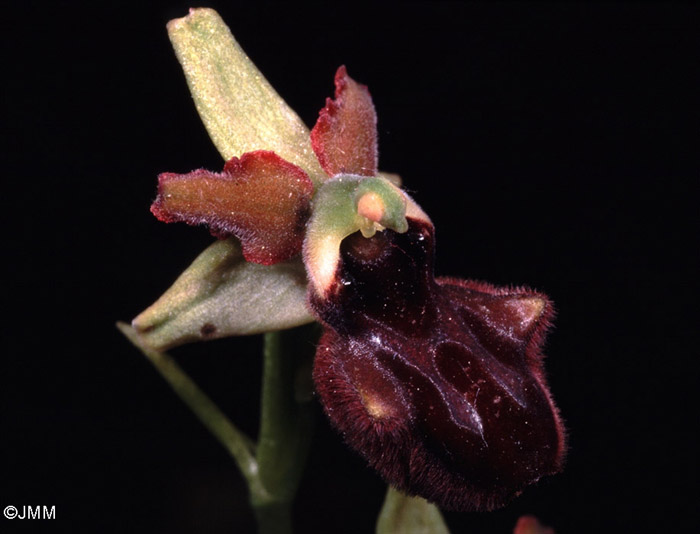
x=239, y=446
x=272, y=468
x=286, y=424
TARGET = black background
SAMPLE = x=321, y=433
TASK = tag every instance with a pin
x=553, y=145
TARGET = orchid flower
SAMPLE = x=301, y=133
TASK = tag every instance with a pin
x=437, y=382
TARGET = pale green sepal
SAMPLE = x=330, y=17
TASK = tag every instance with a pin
x=240, y=109
x=222, y=295
x=402, y=514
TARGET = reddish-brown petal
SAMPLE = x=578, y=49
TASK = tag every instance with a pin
x=345, y=135
x=260, y=198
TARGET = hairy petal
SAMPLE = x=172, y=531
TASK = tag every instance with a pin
x=260, y=198
x=345, y=135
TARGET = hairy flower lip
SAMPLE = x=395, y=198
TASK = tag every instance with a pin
x=437, y=382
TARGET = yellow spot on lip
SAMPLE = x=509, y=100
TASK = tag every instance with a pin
x=527, y=312
x=374, y=405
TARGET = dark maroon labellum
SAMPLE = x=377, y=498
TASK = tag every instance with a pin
x=438, y=383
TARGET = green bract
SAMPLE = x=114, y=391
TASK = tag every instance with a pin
x=222, y=295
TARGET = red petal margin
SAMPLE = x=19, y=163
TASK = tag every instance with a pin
x=345, y=135
x=260, y=198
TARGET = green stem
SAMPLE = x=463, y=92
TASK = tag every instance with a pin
x=274, y=517
x=286, y=422
x=239, y=446
x=274, y=467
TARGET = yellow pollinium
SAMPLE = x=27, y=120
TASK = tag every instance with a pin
x=372, y=208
